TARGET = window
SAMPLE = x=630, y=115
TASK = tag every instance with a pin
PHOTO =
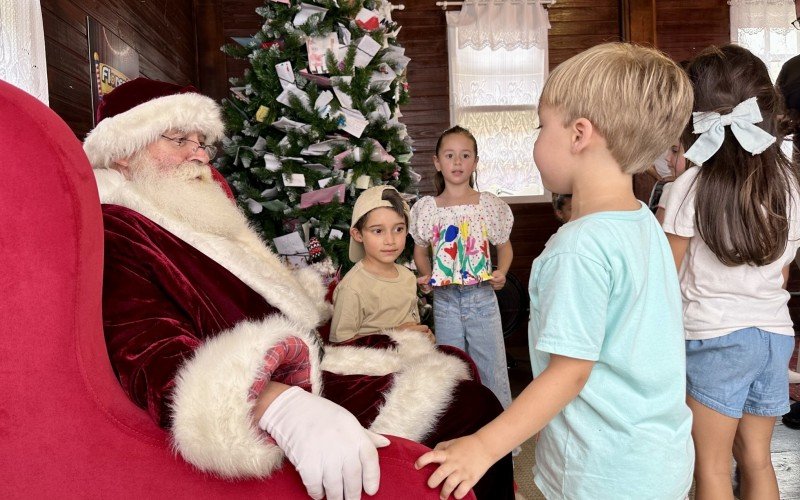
x=764, y=28
x=498, y=65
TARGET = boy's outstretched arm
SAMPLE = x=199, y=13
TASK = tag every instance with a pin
x=464, y=460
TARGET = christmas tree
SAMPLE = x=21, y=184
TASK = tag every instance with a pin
x=315, y=120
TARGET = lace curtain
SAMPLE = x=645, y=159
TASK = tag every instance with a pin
x=498, y=64
x=515, y=24
x=22, y=58
x=764, y=28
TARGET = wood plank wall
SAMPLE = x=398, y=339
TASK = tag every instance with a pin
x=684, y=31
x=161, y=31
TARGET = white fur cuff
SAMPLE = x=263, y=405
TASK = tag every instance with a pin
x=424, y=381
x=212, y=426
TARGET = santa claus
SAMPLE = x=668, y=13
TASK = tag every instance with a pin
x=211, y=334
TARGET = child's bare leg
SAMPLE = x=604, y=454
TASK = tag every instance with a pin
x=751, y=447
x=713, y=435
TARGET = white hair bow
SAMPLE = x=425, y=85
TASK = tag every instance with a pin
x=711, y=127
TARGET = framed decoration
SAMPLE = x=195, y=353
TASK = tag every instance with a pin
x=112, y=62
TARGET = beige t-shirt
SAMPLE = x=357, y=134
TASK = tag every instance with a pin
x=718, y=299
x=365, y=303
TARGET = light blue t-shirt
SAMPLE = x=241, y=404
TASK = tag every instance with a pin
x=605, y=289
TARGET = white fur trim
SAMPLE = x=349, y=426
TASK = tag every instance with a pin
x=299, y=296
x=312, y=283
x=122, y=135
x=423, y=385
x=212, y=426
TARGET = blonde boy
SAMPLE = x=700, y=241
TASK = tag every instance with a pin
x=605, y=335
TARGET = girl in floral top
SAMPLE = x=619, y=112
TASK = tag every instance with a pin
x=459, y=224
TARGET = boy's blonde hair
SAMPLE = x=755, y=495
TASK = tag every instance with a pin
x=637, y=98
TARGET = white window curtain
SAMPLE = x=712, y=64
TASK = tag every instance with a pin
x=22, y=56
x=764, y=28
x=498, y=64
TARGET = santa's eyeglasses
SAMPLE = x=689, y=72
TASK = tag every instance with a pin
x=210, y=150
x=796, y=23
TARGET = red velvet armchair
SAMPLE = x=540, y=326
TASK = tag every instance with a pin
x=67, y=429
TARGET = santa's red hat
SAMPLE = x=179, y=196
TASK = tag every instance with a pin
x=137, y=112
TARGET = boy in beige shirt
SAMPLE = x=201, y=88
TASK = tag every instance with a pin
x=376, y=294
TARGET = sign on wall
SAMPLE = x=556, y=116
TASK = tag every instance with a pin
x=112, y=62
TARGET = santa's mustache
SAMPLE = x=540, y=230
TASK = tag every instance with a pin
x=190, y=171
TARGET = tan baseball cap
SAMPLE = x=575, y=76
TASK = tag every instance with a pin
x=369, y=200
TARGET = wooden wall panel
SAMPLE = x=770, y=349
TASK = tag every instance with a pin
x=685, y=28
x=577, y=25
x=424, y=36
x=161, y=31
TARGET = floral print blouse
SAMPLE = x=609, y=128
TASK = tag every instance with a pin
x=459, y=236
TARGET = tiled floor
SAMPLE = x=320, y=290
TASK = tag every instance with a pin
x=785, y=445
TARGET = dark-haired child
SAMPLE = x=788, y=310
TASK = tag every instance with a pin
x=376, y=294
x=734, y=230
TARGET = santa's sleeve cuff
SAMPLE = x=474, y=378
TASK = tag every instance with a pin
x=212, y=426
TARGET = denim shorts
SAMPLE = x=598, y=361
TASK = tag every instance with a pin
x=742, y=372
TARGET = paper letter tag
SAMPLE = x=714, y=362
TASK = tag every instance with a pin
x=367, y=20
x=363, y=182
x=269, y=193
x=365, y=51
x=271, y=162
x=294, y=180
x=291, y=89
x=254, y=206
x=352, y=122
x=307, y=10
x=317, y=48
x=290, y=244
x=285, y=73
x=322, y=196
x=344, y=99
x=323, y=99
x=335, y=235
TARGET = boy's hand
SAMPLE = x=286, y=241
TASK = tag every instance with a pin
x=498, y=280
x=463, y=462
x=424, y=283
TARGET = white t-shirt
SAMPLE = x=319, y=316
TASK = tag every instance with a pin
x=662, y=202
x=718, y=299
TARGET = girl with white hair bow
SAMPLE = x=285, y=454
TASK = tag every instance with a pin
x=733, y=225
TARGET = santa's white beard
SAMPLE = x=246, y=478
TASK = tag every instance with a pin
x=188, y=193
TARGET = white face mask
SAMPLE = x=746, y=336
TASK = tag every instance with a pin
x=662, y=166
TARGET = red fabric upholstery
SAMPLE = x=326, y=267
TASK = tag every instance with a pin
x=68, y=430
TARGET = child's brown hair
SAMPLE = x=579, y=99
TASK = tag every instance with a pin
x=742, y=204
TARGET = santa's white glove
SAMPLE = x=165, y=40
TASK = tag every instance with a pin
x=334, y=455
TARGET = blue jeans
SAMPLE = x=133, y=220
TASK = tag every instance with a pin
x=468, y=317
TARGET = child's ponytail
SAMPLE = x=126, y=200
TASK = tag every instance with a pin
x=742, y=205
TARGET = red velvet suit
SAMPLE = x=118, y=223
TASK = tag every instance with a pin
x=163, y=299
